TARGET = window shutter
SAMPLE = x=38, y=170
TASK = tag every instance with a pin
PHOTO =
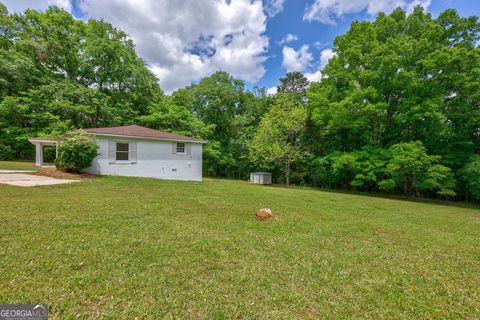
x=112, y=149
x=132, y=150
x=188, y=147
x=174, y=147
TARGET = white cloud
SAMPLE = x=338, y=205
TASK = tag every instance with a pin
x=296, y=60
x=273, y=7
x=21, y=5
x=288, y=38
x=313, y=76
x=64, y=4
x=183, y=41
x=301, y=60
x=329, y=11
x=325, y=56
x=272, y=91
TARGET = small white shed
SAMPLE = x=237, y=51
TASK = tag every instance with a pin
x=261, y=177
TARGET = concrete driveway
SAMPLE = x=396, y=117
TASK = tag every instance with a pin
x=15, y=178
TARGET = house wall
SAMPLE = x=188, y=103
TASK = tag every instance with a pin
x=153, y=159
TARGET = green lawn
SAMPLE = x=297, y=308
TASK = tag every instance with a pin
x=15, y=165
x=117, y=247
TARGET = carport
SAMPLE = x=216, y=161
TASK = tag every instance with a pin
x=39, y=144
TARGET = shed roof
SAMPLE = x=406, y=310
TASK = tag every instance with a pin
x=139, y=131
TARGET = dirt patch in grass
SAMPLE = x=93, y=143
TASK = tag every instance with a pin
x=29, y=165
x=380, y=232
x=64, y=175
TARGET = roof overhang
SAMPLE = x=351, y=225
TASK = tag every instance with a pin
x=141, y=137
x=42, y=141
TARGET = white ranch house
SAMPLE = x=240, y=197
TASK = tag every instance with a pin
x=141, y=152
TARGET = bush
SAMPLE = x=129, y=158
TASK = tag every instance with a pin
x=6, y=153
x=470, y=175
x=411, y=171
x=76, y=152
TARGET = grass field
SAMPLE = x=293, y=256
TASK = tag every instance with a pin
x=117, y=247
x=16, y=165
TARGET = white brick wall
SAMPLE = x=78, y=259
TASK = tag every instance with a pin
x=154, y=159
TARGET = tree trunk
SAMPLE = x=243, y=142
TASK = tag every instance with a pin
x=97, y=115
x=287, y=172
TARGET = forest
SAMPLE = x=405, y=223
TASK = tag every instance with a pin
x=397, y=110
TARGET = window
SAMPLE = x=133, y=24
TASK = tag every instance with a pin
x=180, y=147
x=122, y=151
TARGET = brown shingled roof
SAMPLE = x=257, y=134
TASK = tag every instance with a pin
x=138, y=131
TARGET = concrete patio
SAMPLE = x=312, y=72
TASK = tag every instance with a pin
x=21, y=178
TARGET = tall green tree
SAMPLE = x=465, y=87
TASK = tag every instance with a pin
x=53, y=38
x=278, y=138
x=111, y=64
x=218, y=101
x=294, y=82
x=402, y=78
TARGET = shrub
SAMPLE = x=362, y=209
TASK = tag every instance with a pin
x=411, y=171
x=6, y=153
x=470, y=175
x=76, y=152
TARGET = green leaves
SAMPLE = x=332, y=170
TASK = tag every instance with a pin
x=398, y=79
x=411, y=170
x=294, y=82
x=470, y=177
x=401, y=78
x=404, y=168
x=76, y=152
x=58, y=72
x=277, y=140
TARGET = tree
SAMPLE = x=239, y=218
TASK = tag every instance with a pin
x=219, y=101
x=402, y=78
x=169, y=116
x=53, y=38
x=412, y=170
x=6, y=25
x=470, y=176
x=294, y=82
x=60, y=72
x=109, y=62
x=277, y=139
x=361, y=169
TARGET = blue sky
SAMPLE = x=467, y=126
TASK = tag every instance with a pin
x=255, y=40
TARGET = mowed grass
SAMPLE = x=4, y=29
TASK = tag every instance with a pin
x=16, y=165
x=120, y=248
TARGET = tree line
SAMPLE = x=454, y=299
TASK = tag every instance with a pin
x=397, y=109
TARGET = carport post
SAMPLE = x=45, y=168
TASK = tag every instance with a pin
x=38, y=154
